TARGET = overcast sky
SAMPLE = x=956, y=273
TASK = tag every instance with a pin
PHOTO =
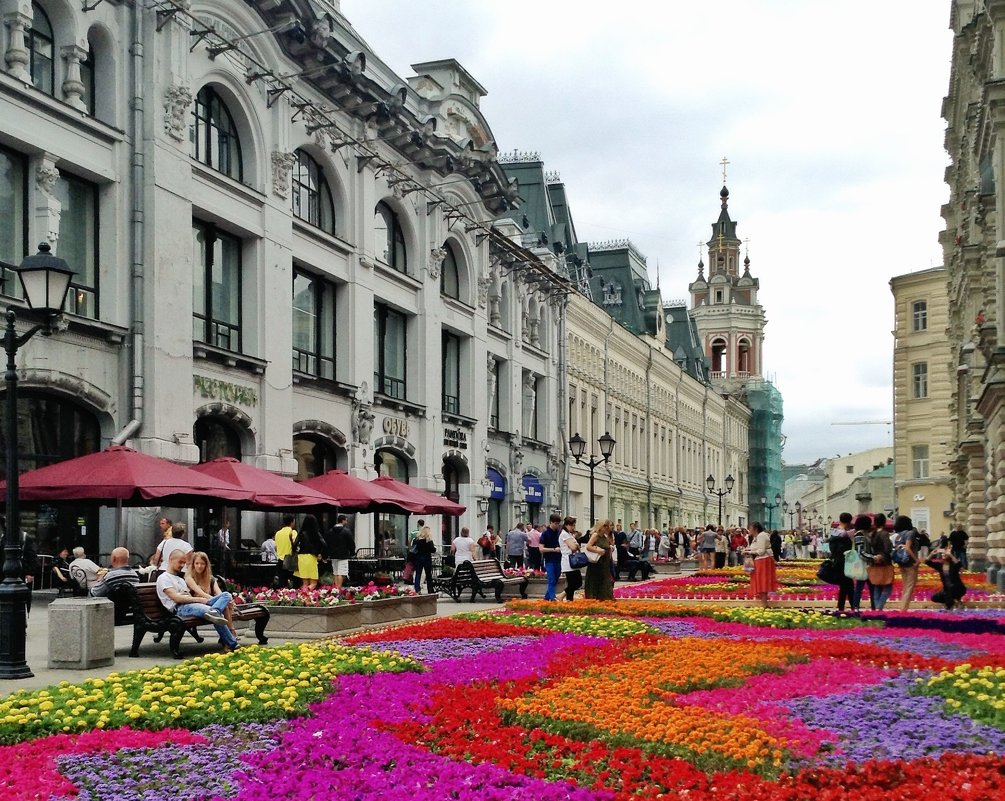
x=829, y=114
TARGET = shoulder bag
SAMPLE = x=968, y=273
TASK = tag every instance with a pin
x=579, y=559
x=854, y=566
x=592, y=556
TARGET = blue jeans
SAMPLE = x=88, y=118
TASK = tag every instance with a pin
x=880, y=595
x=554, y=571
x=856, y=594
x=423, y=563
x=217, y=602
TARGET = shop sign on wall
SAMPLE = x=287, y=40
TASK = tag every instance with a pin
x=455, y=438
x=396, y=427
x=216, y=389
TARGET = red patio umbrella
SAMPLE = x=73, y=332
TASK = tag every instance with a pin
x=432, y=504
x=121, y=475
x=265, y=488
x=358, y=495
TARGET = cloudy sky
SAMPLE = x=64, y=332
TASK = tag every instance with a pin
x=829, y=114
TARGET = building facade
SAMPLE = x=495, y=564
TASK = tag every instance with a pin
x=975, y=273
x=923, y=378
x=280, y=255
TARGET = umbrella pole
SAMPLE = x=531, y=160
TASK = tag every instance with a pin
x=118, y=522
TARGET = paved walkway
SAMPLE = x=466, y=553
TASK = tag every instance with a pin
x=151, y=653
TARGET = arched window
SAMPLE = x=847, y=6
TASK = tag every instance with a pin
x=389, y=238
x=315, y=456
x=87, y=79
x=216, y=438
x=391, y=530
x=743, y=356
x=312, y=197
x=450, y=281
x=718, y=355
x=40, y=50
x=214, y=135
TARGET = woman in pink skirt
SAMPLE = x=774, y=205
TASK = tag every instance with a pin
x=763, y=580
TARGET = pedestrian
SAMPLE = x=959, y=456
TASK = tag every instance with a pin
x=880, y=565
x=487, y=543
x=340, y=547
x=764, y=579
x=737, y=545
x=551, y=554
x=516, y=544
x=174, y=594
x=422, y=558
x=958, y=540
x=860, y=542
x=721, y=549
x=841, y=543
x=707, y=548
x=775, y=538
x=174, y=540
x=119, y=574
x=203, y=585
x=948, y=566
x=309, y=547
x=285, y=547
x=568, y=541
x=905, y=555
x=463, y=547
x=599, y=581
x=533, y=547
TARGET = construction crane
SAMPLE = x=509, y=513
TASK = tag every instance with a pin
x=864, y=423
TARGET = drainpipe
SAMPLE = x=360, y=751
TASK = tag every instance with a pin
x=649, y=440
x=138, y=233
x=563, y=400
x=607, y=383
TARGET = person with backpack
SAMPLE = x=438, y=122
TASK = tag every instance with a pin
x=840, y=543
x=905, y=556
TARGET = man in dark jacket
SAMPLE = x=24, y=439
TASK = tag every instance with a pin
x=340, y=547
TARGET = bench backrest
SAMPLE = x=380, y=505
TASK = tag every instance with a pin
x=79, y=577
x=145, y=601
x=487, y=569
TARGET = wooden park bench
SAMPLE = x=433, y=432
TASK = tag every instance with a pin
x=146, y=613
x=476, y=576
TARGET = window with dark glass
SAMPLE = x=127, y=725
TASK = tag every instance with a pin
x=40, y=51
x=312, y=197
x=216, y=299
x=313, y=326
x=450, y=284
x=389, y=353
x=920, y=380
x=494, y=400
x=451, y=373
x=389, y=238
x=87, y=79
x=13, y=218
x=919, y=315
x=315, y=456
x=78, y=241
x=214, y=136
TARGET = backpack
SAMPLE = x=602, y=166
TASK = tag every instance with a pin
x=900, y=555
x=806, y=539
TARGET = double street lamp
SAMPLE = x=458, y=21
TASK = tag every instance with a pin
x=710, y=486
x=771, y=506
x=795, y=512
x=45, y=279
x=577, y=447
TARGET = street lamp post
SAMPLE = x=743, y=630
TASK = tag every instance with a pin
x=577, y=447
x=790, y=513
x=771, y=506
x=45, y=279
x=799, y=514
x=710, y=486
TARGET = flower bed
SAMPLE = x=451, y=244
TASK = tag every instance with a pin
x=322, y=596
x=623, y=701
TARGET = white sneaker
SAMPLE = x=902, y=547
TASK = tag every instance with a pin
x=214, y=616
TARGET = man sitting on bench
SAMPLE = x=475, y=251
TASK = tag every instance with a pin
x=120, y=573
x=173, y=593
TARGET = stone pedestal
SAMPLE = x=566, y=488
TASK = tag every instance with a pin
x=81, y=633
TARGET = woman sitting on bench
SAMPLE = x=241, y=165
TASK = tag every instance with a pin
x=204, y=586
x=175, y=595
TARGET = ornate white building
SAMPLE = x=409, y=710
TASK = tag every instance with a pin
x=281, y=255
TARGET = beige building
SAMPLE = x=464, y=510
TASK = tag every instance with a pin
x=973, y=249
x=923, y=376
x=857, y=483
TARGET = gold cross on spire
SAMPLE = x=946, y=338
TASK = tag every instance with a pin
x=724, y=163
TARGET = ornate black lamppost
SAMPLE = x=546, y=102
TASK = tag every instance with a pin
x=577, y=447
x=45, y=279
x=710, y=485
x=771, y=506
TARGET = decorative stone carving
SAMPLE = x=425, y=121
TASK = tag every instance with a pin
x=516, y=462
x=483, y=290
x=16, y=56
x=361, y=419
x=492, y=370
x=282, y=165
x=529, y=401
x=321, y=32
x=533, y=327
x=495, y=298
x=73, y=87
x=177, y=102
x=436, y=257
x=46, y=175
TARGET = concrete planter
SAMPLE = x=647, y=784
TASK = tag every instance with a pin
x=536, y=586
x=382, y=611
x=419, y=605
x=666, y=568
x=311, y=620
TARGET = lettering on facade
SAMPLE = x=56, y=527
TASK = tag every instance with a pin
x=219, y=390
x=455, y=438
x=396, y=427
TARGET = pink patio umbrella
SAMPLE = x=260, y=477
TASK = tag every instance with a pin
x=358, y=495
x=432, y=504
x=265, y=488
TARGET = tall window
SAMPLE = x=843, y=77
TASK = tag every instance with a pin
x=214, y=136
x=450, y=284
x=312, y=197
x=87, y=78
x=919, y=315
x=78, y=241
x=494, y=400
x=13, y=218
x=216, y=300
x=389, y=334
x=451, y=373
x=313, y=326
x=919, y=461
x=919, y=380
x=40, y=51
x=389, y=238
